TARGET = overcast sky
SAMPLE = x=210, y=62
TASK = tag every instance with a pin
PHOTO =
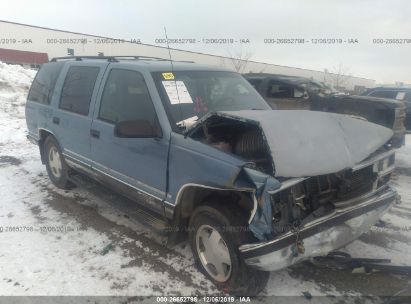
x=242, y=19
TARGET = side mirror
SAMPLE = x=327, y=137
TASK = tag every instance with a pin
x=136, y=129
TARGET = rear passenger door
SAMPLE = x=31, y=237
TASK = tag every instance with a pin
x=136, y=166
x=72, y=113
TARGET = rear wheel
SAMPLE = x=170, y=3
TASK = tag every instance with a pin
x=57, y=168
x=215, y=235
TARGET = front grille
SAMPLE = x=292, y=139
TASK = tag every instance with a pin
x=355, y=183
x=367, y=179
x=349, y=184
x=316, y=196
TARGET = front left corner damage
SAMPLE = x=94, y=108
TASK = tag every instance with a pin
x=261, y=220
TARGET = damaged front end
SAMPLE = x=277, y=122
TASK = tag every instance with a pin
x=316, y=215
x=320, y=181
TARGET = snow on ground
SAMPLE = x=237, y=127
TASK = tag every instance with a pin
x=39, y=261
x=74, y=243
x=393, y=237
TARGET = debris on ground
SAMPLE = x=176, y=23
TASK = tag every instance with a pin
x=343, y=260
x=307, y=295
x=107, y=248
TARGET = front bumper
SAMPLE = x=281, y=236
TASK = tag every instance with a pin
x=321, y=236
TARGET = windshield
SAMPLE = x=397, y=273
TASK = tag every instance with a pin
x=189, y=95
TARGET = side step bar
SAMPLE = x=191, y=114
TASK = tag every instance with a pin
x=129, y=207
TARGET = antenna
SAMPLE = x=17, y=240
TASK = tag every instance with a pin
x=175, y=81
x=169, y=52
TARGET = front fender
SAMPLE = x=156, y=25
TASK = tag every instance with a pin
x=260, y=222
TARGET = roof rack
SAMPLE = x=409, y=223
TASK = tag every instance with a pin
x=80, y=58
x=112, y=58
x=140, y=58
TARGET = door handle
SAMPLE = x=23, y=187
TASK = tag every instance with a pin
x=95, y=133
x=56, y=120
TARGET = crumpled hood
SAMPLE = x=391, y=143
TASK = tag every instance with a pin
x=309, y=143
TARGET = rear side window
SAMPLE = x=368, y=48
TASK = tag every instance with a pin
x=78, y=88
x=43, y=84
x=279, y=90
x=125, y=97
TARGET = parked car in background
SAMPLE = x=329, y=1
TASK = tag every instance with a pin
x=203, y=157
x=402, y=94
x=291, y=93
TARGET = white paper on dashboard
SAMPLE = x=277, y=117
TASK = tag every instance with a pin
x=177, y=92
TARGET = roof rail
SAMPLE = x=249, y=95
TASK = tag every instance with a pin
x=112, y=58
x=149, y=58
x=140, y=57
x=80, y=58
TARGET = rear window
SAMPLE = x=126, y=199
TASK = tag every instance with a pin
x=43, y=84
x=78, y=88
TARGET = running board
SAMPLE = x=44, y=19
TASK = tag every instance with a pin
x=130, y=208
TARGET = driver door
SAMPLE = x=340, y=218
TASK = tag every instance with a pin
x=137, y=166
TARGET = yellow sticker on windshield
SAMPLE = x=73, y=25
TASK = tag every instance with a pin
x=168, y=76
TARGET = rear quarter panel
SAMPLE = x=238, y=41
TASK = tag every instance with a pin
x=39, y=115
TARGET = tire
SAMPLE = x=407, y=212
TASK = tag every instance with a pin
x=237, y=278
x=57, y=168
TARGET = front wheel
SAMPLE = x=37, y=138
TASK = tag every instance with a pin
x=215, y=235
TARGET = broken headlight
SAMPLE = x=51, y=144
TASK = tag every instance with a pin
x=289, y=204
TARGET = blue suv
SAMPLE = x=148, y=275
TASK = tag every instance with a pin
x=203, y=157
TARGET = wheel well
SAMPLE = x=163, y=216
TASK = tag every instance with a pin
x=43, y=135
x=195, y=196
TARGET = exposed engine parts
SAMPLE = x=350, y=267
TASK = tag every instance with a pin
x=244, y=140
x=250, y=145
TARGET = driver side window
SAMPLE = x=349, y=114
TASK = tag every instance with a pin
x=126, y=98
